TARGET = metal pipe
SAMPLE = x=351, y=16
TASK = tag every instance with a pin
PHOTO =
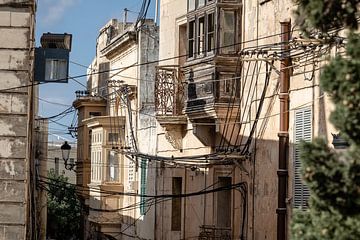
x=283, y=134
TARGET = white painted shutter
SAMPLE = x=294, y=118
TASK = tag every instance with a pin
x=302, y=131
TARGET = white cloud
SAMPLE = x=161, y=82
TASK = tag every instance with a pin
x=55, y=10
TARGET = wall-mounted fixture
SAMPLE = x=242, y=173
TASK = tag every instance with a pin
x=52, y=58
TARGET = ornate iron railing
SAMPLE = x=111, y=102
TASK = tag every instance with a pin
x=211, y=232
x=169, y=90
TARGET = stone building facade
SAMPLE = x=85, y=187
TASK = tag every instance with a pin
x=17, y=110
x=117, y=113
x=232, y=117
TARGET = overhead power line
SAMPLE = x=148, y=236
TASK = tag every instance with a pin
x=145, y=63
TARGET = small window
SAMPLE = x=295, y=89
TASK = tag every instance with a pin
x=94, y=114
x=55, y=69
x=229, y=85
x=201, y=3
x=113, y=137
x=191, y=40
x=201, y=36
x=176, y=204
x=210, y=32
x=113, y=167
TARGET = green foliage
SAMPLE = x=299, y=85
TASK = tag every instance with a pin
x=328, y=14
x=334, y=178
x=63, y=208
x=341, y=78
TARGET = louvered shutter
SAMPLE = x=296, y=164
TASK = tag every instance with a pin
x=302, y=131
x=143, y=177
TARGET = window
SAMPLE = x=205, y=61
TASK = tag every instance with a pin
x=191, y=40
x=210, y=32
x=94, y=114
x=201, y=36
x=201, y=3
x=228, y=31
x=131, y=170
x=191, y=5
x=55, y=69
x=113, y=167
x=113, y=137
x=229, y=85
x=176, y=204
x=302, y=131
x=143, y=178
x=224, y=203
x=182, y=44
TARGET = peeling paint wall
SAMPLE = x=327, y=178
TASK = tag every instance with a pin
x=16, y=63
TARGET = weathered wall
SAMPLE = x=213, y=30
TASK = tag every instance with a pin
x=171, y=12
x=262, y=20
x=148, y=46
x=16, y=50
x=260, y=26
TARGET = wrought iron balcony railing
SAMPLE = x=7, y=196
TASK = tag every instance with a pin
x=211, y=232
x=169, y=90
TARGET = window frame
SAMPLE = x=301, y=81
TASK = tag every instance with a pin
x=211, y=50
x=236, y=30
x=191, y=22
x=197, y=4
x=115, y=165
x=201, y=53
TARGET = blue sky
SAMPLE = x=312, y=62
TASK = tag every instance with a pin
x=83, y=19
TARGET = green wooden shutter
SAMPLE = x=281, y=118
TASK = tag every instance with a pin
x=143, y=166
x=302, y=131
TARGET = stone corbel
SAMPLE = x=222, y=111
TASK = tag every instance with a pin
x=174, y=135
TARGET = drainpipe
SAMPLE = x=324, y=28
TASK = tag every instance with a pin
x=283, y=134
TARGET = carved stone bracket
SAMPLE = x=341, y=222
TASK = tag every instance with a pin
x=174, y=135
x=174, y=129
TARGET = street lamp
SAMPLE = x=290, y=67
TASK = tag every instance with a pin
x=339, y=143
x=65, y=150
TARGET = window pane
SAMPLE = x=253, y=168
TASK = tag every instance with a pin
x=210, y=33
x=201, y=36
x=191, y=38
x=228, y=31
x=113, y=167
x=55, y=69
x=201, y=3
x=191, y=5
x=113, y=137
